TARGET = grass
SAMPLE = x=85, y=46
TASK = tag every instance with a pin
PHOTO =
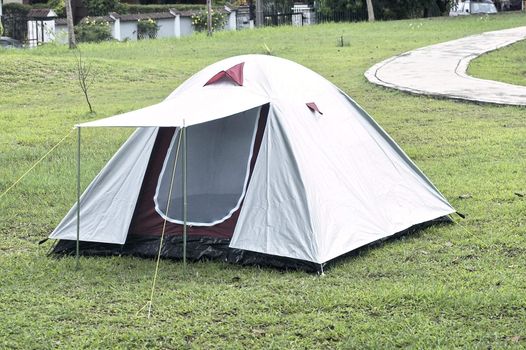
x=445, y=287
x=506, y=65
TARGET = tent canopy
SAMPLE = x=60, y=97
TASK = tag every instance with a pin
x=189, y=108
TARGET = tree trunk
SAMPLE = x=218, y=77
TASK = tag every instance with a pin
x=71, y=30
x=209, y=16
x=259, y=13
x=370, y=10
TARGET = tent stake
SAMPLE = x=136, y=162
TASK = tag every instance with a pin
x=78, y=201
x=185, y=202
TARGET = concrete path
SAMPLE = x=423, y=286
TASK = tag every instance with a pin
x=440, y=70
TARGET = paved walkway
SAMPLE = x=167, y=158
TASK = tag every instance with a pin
x=440, y=70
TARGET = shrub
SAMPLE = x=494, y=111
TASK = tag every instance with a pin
x=16, y=10
x=1, y=29
x=199, y=20
x=137, y=8
x=15, y=21
x=101, y=7
x=93, y=30
x=59, y=6
x=147, y=29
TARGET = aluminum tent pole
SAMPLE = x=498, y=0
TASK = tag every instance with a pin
x=78, y=199
x=185, y=201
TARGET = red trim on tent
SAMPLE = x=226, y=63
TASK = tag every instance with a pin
x=234, y=74
x=147, y=222
x=312, y=106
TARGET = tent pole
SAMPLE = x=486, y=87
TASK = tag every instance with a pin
x=185, y=202
x=78, y=200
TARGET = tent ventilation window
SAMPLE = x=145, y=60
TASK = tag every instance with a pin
x=233, y=74
x=312, y=106
x=218, y=168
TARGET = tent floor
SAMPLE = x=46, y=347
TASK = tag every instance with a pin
x=211, y=248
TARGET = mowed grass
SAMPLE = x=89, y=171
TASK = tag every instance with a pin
x=507, y=64
x=452, y=286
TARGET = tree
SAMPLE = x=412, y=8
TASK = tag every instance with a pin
x=259, y=13
x=209, y=17
x=370, y=10
x=84, y=76
x=71, y=30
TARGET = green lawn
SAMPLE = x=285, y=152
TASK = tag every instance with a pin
x=448, y=286
x=507, y=64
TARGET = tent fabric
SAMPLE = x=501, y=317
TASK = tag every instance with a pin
x=190, y=108
x=147, y=221
x=276, y=218
x=219, y=154
x=321, y=185
x=235, y=74
x=312, y=106
x=107, y=205
x=314, y=197
x=209, y=248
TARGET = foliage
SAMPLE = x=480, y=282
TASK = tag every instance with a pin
x=446, y=287
x=147, y=29
x=200, y=21
x=343, y=9
x=15, y=9
x=93, y=30
x=101, y=7
x=138, y=8
x=15, y=21
x=273, y=6
x=398, y=9
x=385, y=9
x=59, y=6
x=1, y=29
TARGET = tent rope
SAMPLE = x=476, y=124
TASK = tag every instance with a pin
x=461, y=226
x=150, y=302
x=36, y=163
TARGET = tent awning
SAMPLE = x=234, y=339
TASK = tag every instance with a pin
x=188, y=108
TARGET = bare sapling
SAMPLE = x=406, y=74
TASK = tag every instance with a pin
x=85, y=78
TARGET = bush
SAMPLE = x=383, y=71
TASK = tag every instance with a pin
x=93, y=30
x=1, y=29
x=101, y=7
x=136, y=8
x=15, y=20
x=147, y=29
x=59, y=6
x=200, y=20
x=16, y=10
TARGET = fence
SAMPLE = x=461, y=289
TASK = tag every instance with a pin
x=297, y=18
x=279, y=19
x=341, y=16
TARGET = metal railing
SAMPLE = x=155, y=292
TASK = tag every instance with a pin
x=279, y=19
x=297, y=18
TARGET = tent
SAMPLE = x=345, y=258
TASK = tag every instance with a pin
x=254, y=159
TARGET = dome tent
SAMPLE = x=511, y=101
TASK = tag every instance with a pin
x=276, y=163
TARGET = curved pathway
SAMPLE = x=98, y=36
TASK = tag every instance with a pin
x=440, y=70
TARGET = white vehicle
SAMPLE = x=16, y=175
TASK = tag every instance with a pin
x=467, y=7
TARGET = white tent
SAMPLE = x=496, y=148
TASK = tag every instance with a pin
x=280, y=162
